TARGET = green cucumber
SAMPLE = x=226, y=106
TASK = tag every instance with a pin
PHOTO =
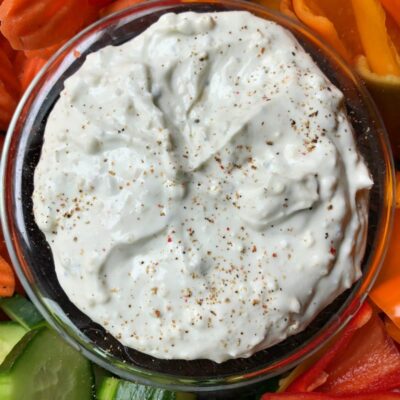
x=43, y=367
x=99, y=375
x=10, y=334
x=117, y=389
x=21, y=310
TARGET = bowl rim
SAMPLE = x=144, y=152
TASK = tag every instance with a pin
x=167, y=380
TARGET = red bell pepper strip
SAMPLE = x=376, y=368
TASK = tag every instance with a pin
x=364, y=359
x=317, y=375
x=370, y=363
x=328, y=396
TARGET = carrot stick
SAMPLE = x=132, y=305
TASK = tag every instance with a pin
x=117, y=6
x=32, y=25
x=7, y=279
x=30, y=68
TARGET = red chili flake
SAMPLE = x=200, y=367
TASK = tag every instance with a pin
x=169, y=240
x=274, y=255
x=332, y=251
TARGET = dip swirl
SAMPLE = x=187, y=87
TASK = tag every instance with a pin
x=200, y=188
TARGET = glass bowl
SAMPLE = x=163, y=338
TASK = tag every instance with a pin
x=32, y=257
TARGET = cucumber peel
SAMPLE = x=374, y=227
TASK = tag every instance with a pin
x=21, y=310
x=10, y=334
x=43, y=367
x=117, y=389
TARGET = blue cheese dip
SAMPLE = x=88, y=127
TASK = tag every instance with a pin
x=200, y=188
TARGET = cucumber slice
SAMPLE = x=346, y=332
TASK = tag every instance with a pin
x=117, y=389
x=21, y=310
x=99, y=375
x=10, y=334
x=43, y=367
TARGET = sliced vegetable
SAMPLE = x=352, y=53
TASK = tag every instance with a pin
x=7, y=73
x=386, y=293
x=99, y=375
x=393, y=8
x=100, y=3
x=397, y=189
x=43, y=367
x=8, y=104
x=31, y=25
x=117, y=6
x=317, y=374
x=325, y=396
x=7, y=279
x=386, y=93
x=371, y=362
x=311, y=14
x=117, y=389
x=22, y=311
x=5, y=46
x=10, y=334
x=44, y=53
x=392, y=330
x=9, y=85
x=287, y=380
x=378, y=47
x=286, y=8
x=30, y=69
x=364, y=359
x=273, y=4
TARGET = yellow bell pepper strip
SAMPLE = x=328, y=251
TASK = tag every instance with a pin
x=386, y=291
x=392, y=330
x=397, y=197
x=286, y=8
x=378, y=47
x=311, y=15
x=393, y=8
x=273, y=4
x=386, y=92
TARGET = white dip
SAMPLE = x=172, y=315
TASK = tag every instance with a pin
x=200, y=188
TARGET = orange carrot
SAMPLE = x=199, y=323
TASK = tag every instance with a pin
x=32, y=25
x=5, y=46
x=7, y=279
x=117, y=6
x=30, y=68
x=7, y=106
x=9, y=87
x=46, y=52
x=7, y=73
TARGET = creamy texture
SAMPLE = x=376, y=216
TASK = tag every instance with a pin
x=200, y=188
